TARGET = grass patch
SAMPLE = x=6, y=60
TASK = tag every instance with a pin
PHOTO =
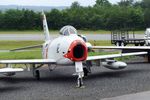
x=137, y=32
x=7, y=45
x=37, y=54
x=21, y=55
x=126, y=58
x=100, y=42
x=101, y=53
x=94, y=32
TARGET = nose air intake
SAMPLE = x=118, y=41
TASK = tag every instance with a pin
x=77, y=51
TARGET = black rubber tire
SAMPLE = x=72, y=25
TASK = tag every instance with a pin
x=80, y=82
x=141, y=44
x=37, y=74
x=118, y=43
x=85, y=72
x=136, y=44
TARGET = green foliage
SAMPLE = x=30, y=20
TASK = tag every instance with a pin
x=146, y=7
x=126, y=3
x=147, y=16
x=102, y=3
x=127, y=14
x=75, y=5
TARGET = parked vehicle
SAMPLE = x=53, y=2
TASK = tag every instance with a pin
x=122, y=38
x=147, y=37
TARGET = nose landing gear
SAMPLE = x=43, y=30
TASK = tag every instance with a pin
x=80, y=73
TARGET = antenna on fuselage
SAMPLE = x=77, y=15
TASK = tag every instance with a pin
x=45, y=27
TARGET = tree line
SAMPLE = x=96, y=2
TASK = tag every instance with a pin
x=126, y=14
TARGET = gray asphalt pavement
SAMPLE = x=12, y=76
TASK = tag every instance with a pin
x=41, y=36
x=60, y=84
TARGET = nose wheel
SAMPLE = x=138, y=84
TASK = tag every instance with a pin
x=80, y=82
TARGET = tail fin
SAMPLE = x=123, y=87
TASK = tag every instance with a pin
x=45, y=27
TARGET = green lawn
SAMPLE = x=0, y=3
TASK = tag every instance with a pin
x=138, y=32
x=100, y=42
x=7, y=45
x=36, y=53
x=21, y=55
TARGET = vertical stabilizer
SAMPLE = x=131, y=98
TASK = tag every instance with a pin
x=45, y=27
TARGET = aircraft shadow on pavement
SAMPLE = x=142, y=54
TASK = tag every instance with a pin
x=116, y=74
x=49, y=77
x=10, y=89
x=142, y=62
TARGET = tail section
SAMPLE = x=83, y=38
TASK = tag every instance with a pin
x=45, y=27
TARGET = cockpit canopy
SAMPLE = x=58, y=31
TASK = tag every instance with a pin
x=67, y=30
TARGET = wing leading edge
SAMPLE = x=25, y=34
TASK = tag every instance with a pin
x=115, y=56
x=122, y=47
x=31, y=61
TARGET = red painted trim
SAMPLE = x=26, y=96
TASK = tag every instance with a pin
x=70, y=55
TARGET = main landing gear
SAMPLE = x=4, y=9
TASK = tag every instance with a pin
x=36, y=72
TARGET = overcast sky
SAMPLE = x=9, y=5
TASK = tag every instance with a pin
x=50, y=2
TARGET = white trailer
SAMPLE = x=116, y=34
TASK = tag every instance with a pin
x=147, y=37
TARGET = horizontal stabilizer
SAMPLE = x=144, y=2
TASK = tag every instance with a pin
x=27, y=47
x=10, y=70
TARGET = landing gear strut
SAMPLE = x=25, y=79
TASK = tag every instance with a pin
x=80, y=73
x=80, y=81
x=36, y=72
x=85, y=70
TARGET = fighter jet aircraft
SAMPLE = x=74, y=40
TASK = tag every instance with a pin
x=69, y=48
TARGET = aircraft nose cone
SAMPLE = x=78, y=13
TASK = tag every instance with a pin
x=77, y=51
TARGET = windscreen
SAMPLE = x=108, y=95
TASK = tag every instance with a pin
x=67, y=30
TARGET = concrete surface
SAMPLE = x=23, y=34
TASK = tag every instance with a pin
x=60, y=84
x=41, y=36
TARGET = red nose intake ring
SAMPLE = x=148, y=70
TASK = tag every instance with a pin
x=77, y=51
